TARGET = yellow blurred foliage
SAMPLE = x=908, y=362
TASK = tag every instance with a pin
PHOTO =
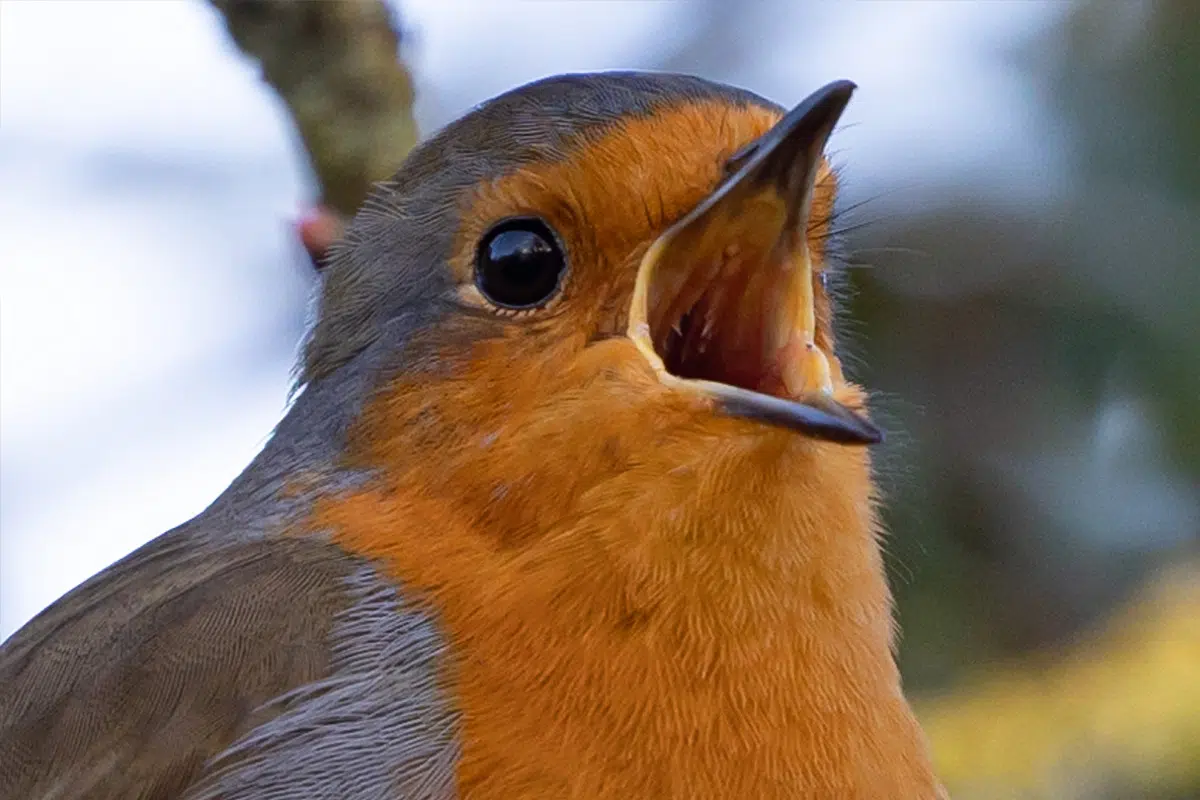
x=1116, y=715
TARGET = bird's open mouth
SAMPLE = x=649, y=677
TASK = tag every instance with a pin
x=724, y=301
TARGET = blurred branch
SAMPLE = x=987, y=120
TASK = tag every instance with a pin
x=336, y=65
x=1116, y=716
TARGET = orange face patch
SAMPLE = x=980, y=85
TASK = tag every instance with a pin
x=611, y=198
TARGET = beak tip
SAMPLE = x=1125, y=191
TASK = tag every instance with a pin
x=835, y=96
x=849, y=428
x=873, y=434
x=843, y=86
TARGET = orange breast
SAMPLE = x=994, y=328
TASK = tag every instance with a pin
x=611, y=637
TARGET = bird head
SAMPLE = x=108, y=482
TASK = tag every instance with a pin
x=596, y=267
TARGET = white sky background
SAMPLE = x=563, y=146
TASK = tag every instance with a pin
x=151, y=295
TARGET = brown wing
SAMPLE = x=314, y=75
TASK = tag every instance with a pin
x=130, y=684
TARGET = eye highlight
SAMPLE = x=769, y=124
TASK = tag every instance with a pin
x=519, y=264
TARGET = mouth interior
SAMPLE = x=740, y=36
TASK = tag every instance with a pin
x=736, y=318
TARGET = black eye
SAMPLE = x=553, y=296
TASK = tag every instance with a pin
x=519, y=263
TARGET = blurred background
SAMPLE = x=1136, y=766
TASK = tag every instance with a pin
x=1022, y=194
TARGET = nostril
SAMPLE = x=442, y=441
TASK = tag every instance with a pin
x=735, y=161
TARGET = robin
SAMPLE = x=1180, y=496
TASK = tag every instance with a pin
x=574, y=500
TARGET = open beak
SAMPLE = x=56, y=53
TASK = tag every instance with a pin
x=724, y=303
